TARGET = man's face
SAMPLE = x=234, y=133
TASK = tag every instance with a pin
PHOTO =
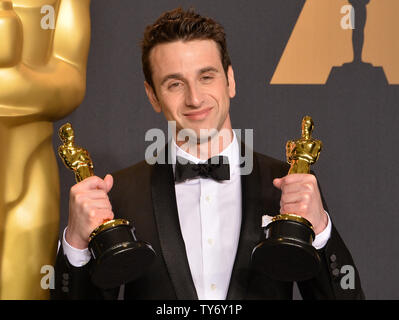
x=190, y=84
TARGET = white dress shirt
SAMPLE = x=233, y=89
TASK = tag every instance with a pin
x=210, y=220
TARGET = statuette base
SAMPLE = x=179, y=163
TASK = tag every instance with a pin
x=287, y=253
x=118, y=256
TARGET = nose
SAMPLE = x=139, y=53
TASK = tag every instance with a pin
x=194, y=96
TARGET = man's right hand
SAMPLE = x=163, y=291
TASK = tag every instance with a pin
x=89, y=206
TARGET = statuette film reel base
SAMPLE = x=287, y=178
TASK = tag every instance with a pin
x=118, y=256
x=287, y=253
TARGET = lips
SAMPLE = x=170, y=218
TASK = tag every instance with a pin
x=198, y=115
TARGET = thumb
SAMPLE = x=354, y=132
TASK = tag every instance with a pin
x=277, y=182
x=109, y=182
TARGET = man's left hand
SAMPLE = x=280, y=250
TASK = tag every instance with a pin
x=300, y=195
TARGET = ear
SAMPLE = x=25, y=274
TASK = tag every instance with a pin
x=152, y=97
x=232, y=82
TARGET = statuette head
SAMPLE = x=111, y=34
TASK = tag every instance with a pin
x=307, y=127
x=66, y=133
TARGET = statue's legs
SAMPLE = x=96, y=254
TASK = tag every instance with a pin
x=29, y=211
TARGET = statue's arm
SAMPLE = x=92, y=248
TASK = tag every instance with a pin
x=317, y=150
x=289, y=146
x=56, y=89
x=65, y=156
x=72, y=33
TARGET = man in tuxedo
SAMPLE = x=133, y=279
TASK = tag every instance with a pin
x=202, y=226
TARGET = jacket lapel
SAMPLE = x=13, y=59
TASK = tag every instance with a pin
x=256, y=188
x=167, y=221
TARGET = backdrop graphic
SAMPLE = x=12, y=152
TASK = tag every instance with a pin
x=278, y=48
x=318, y=42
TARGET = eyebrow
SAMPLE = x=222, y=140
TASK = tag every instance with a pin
x=179, y=76
x=208, y=69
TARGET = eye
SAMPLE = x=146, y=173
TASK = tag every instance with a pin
x=174, y=85
x=207, y=78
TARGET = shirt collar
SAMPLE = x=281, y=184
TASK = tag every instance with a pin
x=231, y=152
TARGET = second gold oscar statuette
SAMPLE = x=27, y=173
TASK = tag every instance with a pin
x=118, y=256
x=287, y=253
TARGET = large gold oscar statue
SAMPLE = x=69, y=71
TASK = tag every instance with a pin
x=42, y=79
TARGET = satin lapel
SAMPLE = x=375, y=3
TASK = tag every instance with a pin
x=167, y=221
x=253, y=207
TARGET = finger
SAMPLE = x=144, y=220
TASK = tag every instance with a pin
x=281, y=182
x=98, y=204
x=277, y=182
x=303, y=182
x=295, y=208
x=293, y=197
x=82, y=202
x=94, y=194
x=109, y=182
x=97, y=216
x=292, y=188
x=299, y=178
x=90, y=183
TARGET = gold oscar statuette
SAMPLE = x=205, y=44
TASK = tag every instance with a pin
x=287, y=253
x=44, y=46
x=118, y=256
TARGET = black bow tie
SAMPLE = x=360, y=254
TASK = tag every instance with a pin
x=216, y=168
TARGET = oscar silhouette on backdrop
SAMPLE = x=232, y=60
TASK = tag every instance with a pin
x=359, y=6
x=358, y=71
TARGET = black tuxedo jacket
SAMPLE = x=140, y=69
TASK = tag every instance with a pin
x=145, y=195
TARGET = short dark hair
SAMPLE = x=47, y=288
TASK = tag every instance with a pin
x=183, y=25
